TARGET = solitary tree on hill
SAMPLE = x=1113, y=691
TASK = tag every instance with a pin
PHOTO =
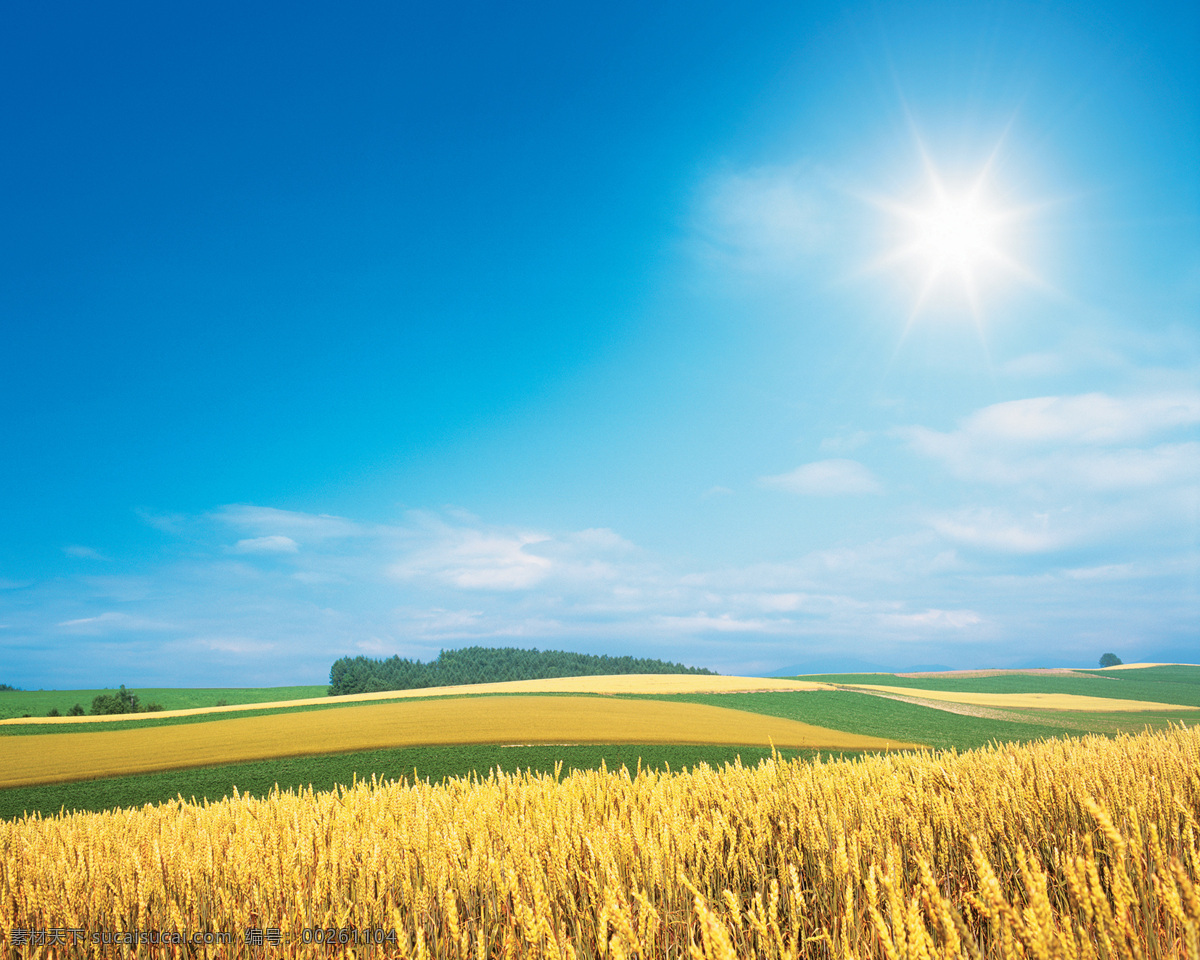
x=1110, y=660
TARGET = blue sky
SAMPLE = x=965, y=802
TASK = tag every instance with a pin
x=405, y=327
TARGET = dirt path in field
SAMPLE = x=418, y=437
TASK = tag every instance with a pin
x=966, y=709
x=1058, y=702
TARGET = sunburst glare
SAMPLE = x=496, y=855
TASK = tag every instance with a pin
x=957, y=239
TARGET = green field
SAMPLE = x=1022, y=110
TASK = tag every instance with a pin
x=1180, y=685
x=846, y=710
x=939, y=729
x=326, y=772
x=38, y=703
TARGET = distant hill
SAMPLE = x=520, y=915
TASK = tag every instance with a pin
x=484, y=665
x=831, y=665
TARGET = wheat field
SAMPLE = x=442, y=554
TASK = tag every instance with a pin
x=1061, y=849
x=59, y=757
x=1026, y=701
x=631, y=683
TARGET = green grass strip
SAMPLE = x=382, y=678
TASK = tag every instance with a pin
x=1172, y=673
x=879, y=717
x=146, y=720
x=327, y=771
x=1168, y=689
x=38, y=703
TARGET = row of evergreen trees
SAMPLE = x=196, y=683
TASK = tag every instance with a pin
x=483, y=665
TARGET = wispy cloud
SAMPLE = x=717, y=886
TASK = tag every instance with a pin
x=937, y=619
x=477, y=560
x=302, y=527
x=762, y=220
x=845, y=443
x=1093, y=441
x=992, y=529
x=826, y=478
x=80, y=552
x=273, y=543
x=111, y=621
x=936, y=593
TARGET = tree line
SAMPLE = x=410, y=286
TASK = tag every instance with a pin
x=484, y=665
x=108, y=704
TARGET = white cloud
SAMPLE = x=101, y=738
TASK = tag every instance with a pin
x=991, y=529
x=274, y=543
x=1035, y=365
x=237, y=646
x=1086, y=441
x=764, y=219
x=826, y=478
x=844, y=444
x=1092, y=418
x=269, y=521
x=474, y=559
x=111, y=621
x=1108, y=571
x=938, y=619
x=702, y=622
x=969, y=578
x=779, y=602
x=80, y=552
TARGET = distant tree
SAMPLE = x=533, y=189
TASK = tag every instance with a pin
x=123, y=701
x=1110, y=660
x=75, y=711
x=6, y=686
x=153, y=707
x=54, y=712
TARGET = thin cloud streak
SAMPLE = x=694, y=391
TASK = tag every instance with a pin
x=826, y=478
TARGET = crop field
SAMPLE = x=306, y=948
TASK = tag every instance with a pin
x=1029, y=701
x=49, y=758
x=1063, y=848
x=842, y=710
x=1176, y=684
x=277, y=698
x=15, y=704
x=633, y=820
x=326, y=772
x=210, y=763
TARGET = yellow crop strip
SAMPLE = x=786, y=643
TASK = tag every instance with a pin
x=637, y=683
x=51, y=758
x=1080, y=849
x=1027, y=701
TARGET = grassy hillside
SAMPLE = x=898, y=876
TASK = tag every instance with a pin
x=38, y=703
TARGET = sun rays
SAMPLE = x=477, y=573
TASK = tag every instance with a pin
x=956, y=239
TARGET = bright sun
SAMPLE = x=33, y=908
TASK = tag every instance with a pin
x=959, y=240
x=955, y=233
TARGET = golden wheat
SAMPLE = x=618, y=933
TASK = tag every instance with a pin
x=1063, y=849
